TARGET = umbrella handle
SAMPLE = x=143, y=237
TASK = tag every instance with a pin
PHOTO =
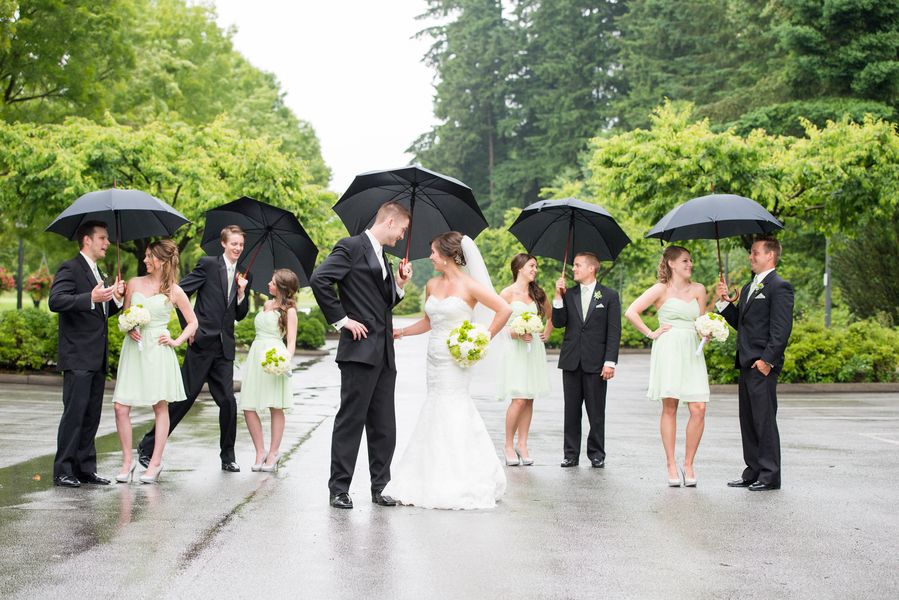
x=736, y=292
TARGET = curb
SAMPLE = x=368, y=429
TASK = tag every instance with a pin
x=817, y=388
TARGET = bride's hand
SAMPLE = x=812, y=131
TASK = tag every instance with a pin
x=398, y=333
x=654, y=335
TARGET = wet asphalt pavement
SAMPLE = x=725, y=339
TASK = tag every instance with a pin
x=618, y=532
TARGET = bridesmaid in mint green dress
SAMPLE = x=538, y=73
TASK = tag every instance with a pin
x=260, y=390
x=148, y=373
x=525, y=375
x=676, y=372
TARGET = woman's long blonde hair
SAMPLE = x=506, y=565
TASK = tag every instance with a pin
x=167, y=252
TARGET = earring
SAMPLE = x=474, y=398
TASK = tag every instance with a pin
x=444, y=263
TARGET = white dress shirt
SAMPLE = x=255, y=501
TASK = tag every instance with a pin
x=96, y=272
x=589, y=287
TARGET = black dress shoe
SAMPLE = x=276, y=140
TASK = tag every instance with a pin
x=740, y=483
x=341, y=500
x=598, y=463
x=144, y=460
x=382, y=500
x=231, y=467
x=94, y=479
x=66, y=481
x=569, y=462
x=758, y=486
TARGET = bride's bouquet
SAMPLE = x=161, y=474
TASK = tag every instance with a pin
x=468, y=343
x=134, y=317
x=711, y=326
x=275, y=363
x=525, y=323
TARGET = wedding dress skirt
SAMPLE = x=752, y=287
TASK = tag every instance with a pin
x=450, y=461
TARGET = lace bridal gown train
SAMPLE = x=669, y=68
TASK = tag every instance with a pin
x=450, y=461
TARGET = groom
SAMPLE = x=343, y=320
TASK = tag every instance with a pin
x=763, y=320
x=591, y=316
x=361, y=309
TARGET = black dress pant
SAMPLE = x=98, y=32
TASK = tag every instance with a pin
x=366, y=402
x=758, y=426
x=584, y=390
x=82, y=401
x=199, y=367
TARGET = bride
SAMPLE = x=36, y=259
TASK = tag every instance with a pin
x=450, y=461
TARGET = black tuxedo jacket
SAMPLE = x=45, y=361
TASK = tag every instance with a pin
x=83, y=341
x=763, y=322
x=362, y=295
x=215, y=312
x=593, y=339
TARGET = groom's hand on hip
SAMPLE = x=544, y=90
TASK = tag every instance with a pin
x=358, y=330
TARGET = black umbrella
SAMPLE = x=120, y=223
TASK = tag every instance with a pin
x=562, y=228
x=274, y=240
x=438, y=204
x=129, y=214
x=714, y=217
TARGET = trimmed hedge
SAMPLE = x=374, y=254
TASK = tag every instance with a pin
x=29, y=339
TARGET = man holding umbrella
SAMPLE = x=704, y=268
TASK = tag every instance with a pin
x=763, y=320
x=84, y=306
x=221, y=300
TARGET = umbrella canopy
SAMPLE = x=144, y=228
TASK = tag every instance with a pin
x=561, y=228
x=438, y=204
x=713, y=217
x=274, y=240
x=129, y=215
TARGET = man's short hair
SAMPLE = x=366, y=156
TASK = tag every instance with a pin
x=591, y=259
x=771, y=245
x=392, y=209
x=232, y=230
x=86, y=229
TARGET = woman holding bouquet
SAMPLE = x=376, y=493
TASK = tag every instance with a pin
x=676, y=371
x=148, y=373
x=265, y=382
x=524, y=365
x=450, y=461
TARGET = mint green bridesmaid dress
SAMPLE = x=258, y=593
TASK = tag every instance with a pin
x=260, y=390
x=524, y=371
x=146, y=376
x=675, y=370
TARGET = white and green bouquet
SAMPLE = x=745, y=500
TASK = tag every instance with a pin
x=525, y=323
x=134, y=317
x=275, y=363
x=468, y=343
x=711, y=326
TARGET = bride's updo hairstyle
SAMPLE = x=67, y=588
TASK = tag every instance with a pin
x=449, y=244
x=167, y=252
x=671, y=253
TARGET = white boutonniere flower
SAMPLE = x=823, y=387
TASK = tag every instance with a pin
x=597, y=295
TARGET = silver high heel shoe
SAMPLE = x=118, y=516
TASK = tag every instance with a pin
x=154, y=478
x=513, y=462
x=272, y=467
x=674, y=482
x=126, y=477
x=258, y=466
x=527, y=462
x=688, y=481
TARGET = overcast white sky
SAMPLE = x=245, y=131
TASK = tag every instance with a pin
x=349, y=67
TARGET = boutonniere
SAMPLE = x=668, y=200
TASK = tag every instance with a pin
x=759, y=288
x=597, y=295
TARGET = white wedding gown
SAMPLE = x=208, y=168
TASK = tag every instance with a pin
x=450, y=461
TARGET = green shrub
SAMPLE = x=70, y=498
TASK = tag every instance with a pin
x=310, y=333
x=28, y=339
x=555, y=338
x=411, y=302
x=631, y=338
x=316, y=313
x=865, y=351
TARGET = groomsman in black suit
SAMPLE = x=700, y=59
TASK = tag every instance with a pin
x=84, y=305
x=591, y=316
x=221, y=300
x=361, y=308
x=763, y=319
